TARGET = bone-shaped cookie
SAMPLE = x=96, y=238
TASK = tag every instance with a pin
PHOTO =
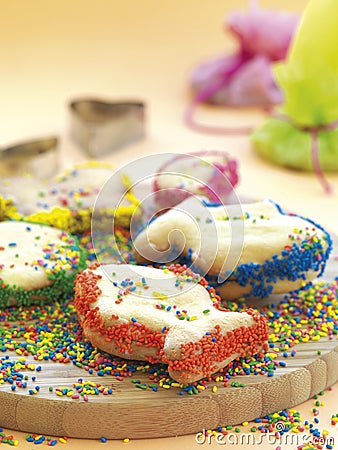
x=246, y=250
x=165, y=315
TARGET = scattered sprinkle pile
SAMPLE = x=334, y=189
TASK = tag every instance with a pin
x=51, y=333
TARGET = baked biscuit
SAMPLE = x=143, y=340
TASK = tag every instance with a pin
x=68, y=201
x=258, y=252
x=167, y=315
x=211, y=174
x=38, y=263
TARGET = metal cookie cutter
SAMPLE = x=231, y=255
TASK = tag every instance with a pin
x=37, y=158
x=100, y=127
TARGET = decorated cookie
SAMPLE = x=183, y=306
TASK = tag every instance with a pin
x=167, y=315
x=38, y=263
x=244, y=250
x=210, y=174
x=67, y=202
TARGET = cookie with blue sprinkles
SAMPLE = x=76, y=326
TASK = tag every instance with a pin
x=249, y=250
x=38, y=264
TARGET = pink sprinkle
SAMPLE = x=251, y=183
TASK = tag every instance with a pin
x=85, y=398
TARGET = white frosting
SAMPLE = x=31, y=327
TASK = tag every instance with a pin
x=19, y=265
x=189, y=173
x=31, y=195
x=141, y=304
x=211, y=237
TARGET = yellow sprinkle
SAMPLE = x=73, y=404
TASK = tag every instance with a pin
x=166, y=386
x=245, y=424
x=126, y=440
x=63, y=441
x=214, y=389
x=159, y=295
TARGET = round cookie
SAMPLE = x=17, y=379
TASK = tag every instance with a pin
x=38, y=263
x=167, y=315
x=66, y=202
x=276, y=252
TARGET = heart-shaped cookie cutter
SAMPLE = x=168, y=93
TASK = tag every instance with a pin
x=99, y=126
x=38, y=158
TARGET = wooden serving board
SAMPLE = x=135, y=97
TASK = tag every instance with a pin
x=137, y=413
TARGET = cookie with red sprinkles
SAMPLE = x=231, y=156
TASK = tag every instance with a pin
x=169, y=315
x=38, y=263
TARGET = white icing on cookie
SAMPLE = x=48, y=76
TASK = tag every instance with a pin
x=157, y=315
x=141, y=303
x=30, y=253
x=258, y=232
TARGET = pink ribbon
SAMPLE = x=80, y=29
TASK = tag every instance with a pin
x=209, y=91
x=213, y=88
